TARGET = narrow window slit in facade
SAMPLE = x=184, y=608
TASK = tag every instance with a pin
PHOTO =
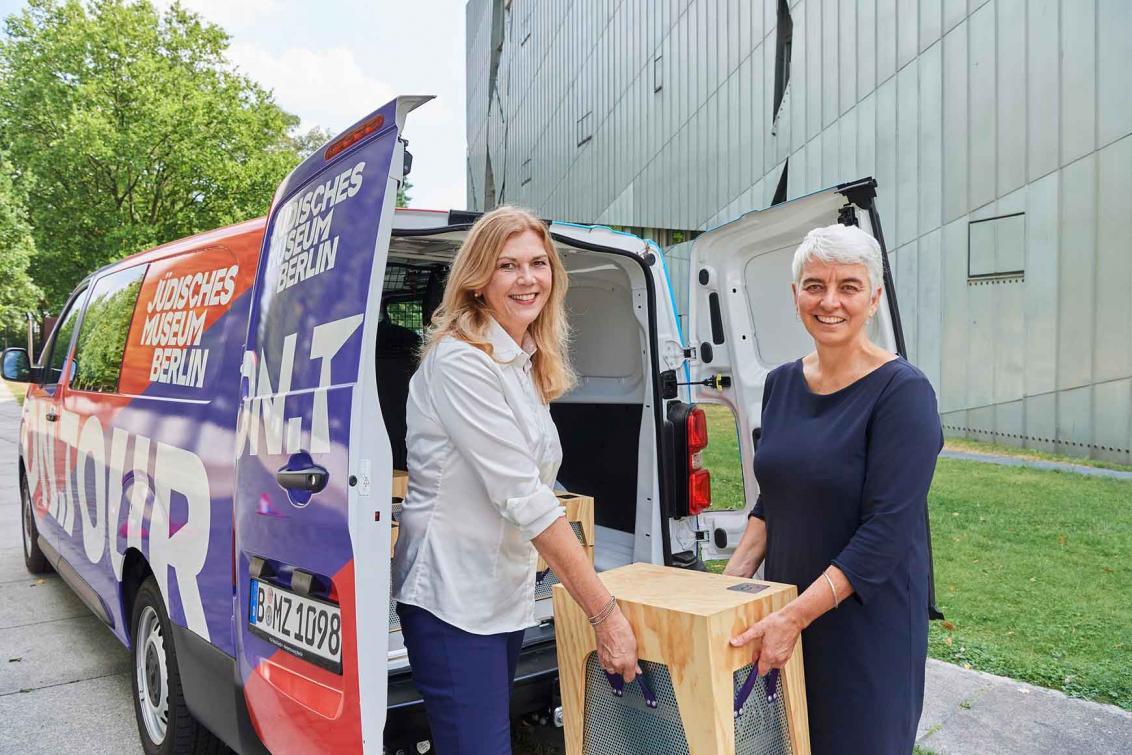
x=784, y=43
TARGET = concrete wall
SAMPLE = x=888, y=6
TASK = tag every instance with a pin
x=999, y=131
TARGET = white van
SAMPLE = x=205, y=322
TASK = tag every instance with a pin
x=208, y=444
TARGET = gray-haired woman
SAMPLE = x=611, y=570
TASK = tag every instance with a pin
x=850, y=435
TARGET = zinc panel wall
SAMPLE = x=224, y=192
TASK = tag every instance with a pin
x=962, y=110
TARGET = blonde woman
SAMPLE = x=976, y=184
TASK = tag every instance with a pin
x=483, y=453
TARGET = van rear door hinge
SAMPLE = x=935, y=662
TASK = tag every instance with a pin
x=690, y=353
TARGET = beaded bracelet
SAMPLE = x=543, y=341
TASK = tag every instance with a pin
x=604, y=613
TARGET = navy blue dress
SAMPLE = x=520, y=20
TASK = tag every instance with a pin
x=844, y=479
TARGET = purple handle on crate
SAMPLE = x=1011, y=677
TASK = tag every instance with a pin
x=617, y=683
x=749, y=685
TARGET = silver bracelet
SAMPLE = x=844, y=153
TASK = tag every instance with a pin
x=832, y=589
x=604, y=613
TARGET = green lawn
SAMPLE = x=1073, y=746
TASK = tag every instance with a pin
x=979, y=447
x=1033, y=568
x=1033, y=574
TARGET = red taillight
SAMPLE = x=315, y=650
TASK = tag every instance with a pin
x=699, y=480
x=355, y=136
x=699, y=491
x=697, y=431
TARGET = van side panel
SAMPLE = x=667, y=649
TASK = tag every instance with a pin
x=151, y=468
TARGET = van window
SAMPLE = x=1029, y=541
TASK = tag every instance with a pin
x=722, y=459
x=61, y=341
x=102, y=335
x=173, y=350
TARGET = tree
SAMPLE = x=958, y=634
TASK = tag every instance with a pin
x=403, y=197
x=306, y=143
x=136, y=129
x=18, y=295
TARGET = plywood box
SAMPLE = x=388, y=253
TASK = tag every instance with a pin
x=683, y=621
x=580, y=515
x=400, y=484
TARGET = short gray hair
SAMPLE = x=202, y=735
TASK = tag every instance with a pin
x=842, y=245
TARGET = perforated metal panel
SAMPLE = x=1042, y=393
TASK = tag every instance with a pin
x=761, y=727
x=549, y=580
x=394, y=619
x=542, y=586
x=627, y=726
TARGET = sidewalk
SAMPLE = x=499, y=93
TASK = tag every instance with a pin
x=974, y=713
x=1016, y=461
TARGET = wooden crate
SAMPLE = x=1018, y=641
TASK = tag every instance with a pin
x=580, y=515
x=400, y=484
x=683, y=621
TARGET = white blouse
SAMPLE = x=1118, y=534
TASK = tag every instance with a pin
x=483, y=456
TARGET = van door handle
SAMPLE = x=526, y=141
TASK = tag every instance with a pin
x=51, y=416
x=311, y=477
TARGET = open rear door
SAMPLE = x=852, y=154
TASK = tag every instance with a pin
x=742, y=319
x=314, y=472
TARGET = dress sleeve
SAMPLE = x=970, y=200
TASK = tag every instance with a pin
x=757, y=510
x=904, y=438
x=471, y=407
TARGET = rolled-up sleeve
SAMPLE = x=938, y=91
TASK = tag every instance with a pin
x=904, y=439
x=470, y=404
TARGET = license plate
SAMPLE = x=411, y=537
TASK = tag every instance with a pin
x=306, y=627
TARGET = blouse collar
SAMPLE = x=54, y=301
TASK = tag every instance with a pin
x=504, y=348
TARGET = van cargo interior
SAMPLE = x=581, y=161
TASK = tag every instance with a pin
x=600, y=421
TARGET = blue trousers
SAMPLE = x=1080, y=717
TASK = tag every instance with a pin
x=465, y=680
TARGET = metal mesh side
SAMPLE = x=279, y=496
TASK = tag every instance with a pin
x=761, y=727
x=625, y=725
x=542, y=586
x=394, y=619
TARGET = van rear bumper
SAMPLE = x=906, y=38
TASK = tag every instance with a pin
x=535, y=688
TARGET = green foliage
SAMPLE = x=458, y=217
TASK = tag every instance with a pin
x=136, y=128
x=306, y=143
x=18, y=295
x=102, y=338
x=403, y=197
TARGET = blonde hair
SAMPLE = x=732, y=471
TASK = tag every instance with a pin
x=464, y=316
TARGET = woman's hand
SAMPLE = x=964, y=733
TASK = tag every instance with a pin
x=775, y=637
x=617, y=647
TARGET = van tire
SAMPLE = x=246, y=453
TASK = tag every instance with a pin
x=159, y=702
x=34, y=558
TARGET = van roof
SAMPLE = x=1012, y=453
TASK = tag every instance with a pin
x=198, y=241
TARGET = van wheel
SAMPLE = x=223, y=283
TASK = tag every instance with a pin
x=34, y=559
x=164, y=722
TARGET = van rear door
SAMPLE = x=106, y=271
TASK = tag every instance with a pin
x=743, y=323
x=314, y=472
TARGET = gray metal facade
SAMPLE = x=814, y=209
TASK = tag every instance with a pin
x=1000, y=132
